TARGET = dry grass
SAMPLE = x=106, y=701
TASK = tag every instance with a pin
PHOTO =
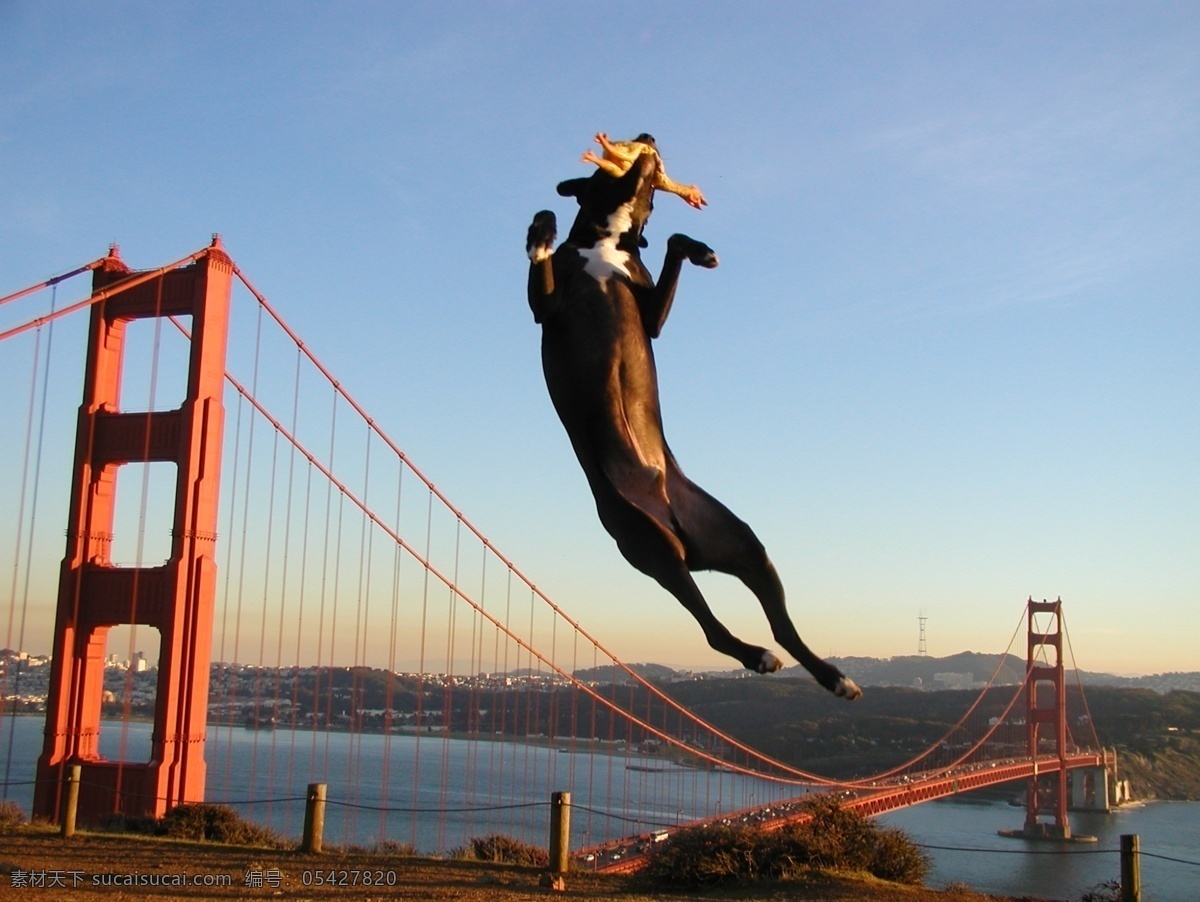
x=30, y=849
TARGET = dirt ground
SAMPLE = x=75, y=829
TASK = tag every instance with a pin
x=36, y=863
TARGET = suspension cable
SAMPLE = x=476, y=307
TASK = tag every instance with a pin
x=104, y=294
x=53, y=282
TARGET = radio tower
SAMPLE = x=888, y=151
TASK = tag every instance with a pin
x=921, y=618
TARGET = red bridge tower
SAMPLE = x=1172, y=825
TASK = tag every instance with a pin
x=176, y=598
x=1046, y=707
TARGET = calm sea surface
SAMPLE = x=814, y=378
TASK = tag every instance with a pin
x=392, y=787
x=1052, y=870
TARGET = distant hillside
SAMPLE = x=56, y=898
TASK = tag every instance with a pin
x=965, y=670
x=925, y=672
x=1161, y=683
x=656, y=672
x=961, y=671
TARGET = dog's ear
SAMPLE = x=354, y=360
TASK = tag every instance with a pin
x=571, y=187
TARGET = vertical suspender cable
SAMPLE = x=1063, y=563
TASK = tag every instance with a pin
x=361, y=620
x=262, y=625
x=226, y=667
x=448, y=692
x=552, y=714
x=333, y=670
x=242, y=542
x=318, y=720
x=283, y=593
x=37, y=469
x=366, y=619
x=532, y=708
x=421, y=670
x=499, y=772
x=385, y=793
x=592, y=737
x=299, y=669
x=573, y=743
x=474, y=676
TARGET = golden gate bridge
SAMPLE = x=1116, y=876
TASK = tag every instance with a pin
x=280, y=533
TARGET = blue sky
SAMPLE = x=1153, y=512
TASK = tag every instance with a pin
x=948, y=360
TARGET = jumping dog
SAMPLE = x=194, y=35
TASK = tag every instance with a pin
x=599, y=308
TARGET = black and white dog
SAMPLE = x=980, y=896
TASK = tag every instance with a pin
x=599, y=308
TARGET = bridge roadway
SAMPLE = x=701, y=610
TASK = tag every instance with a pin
x=624, y=856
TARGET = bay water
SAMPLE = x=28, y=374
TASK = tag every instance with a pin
x=436, y=793
x=963, y=840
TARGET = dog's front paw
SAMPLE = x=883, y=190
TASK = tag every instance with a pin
x=703, y=255
x=539, y=241
x=697, y=252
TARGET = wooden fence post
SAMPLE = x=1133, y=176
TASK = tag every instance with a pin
x=560, y=832
x=314, y=818
x=71, y=802
x=1131, y=869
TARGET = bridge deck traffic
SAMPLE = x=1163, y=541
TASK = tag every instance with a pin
x=629, y=855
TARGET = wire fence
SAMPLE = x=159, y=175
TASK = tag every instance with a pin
x=619, y=816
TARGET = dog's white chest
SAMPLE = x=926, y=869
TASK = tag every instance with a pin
x=603, y=261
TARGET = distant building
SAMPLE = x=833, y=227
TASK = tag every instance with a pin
x=954, y=680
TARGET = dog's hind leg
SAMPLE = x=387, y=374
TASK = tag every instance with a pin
x=657, y=552
x=678, y=581
x=716, y=539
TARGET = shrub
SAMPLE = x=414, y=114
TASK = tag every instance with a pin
x=896, y=857
x=834, y=839
x=502, y=849
x=395, y=847
x=129, y=823
x=1108, y=891
x=706, y=856
x=216, y=823
x=11, y=814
